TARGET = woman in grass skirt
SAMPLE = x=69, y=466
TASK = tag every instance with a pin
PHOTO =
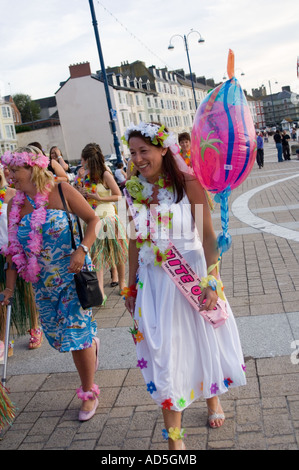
x=100, y=189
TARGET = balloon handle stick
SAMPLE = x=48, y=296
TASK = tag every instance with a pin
x=224, y=239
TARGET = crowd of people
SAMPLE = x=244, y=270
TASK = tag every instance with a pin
x=181, y=355
x=282, y=142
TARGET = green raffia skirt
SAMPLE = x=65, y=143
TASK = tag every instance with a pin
x=23, y=308
x=111, y=245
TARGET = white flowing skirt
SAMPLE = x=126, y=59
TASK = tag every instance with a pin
x=181, y=356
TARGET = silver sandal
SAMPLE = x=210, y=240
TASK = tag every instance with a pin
x=214, y=416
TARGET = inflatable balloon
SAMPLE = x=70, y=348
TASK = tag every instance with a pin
x=223, y=143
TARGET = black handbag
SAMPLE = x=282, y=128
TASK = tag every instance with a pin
x=87, y=285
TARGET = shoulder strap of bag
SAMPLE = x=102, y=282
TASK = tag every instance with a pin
x=68, y=216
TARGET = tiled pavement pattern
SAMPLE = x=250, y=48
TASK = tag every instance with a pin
x=261, y=278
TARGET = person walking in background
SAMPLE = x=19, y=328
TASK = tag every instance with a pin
x=285, y=145
x=293, y=134
x=260, y=150
x=55, y=154
x=40, y=251
x=101, y=191
x=184, y=140
x=278, y=143
x=120, y=175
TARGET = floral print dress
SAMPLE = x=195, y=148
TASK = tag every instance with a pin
x=66, y=325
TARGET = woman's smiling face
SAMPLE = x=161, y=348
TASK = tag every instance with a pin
x=21, y=177
x=147, y=158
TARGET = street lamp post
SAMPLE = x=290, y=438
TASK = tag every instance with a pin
x=111, y=113
x=273, y=107
x=185, y=39
x=272, y=103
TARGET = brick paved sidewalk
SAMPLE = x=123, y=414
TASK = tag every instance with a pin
x=261, y=278
x=263, y=415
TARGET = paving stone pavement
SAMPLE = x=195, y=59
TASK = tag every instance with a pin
x=261, y=277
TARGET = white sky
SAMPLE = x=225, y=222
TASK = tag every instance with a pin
x=39, y=39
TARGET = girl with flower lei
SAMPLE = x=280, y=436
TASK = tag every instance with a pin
x=173, y=339
x=185, y=152
x=37, y=257
x=99, y=187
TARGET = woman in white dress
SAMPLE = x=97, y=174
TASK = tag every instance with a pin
x=182, y=357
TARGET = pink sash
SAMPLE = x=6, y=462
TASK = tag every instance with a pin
x=185, y=278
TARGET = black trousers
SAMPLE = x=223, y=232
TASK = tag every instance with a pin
x=260, y=157
x=286, y=152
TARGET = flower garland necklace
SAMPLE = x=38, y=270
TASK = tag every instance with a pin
x=27, y=264
x=141, y=192
x=187, y=157
x=93, y=189
x=2, y=197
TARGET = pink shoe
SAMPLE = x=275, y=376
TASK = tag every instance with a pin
x=86, y=415
x=90, y=395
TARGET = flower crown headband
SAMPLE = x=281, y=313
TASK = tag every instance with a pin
x=157, y=134
x=25, y=158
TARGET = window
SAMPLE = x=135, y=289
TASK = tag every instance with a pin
x=125, y=119
x=10, y=132
x=183, y=106
x=6, y=113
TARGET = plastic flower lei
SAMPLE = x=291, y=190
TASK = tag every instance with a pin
x=187, y=157
x=27, y=263
x=2, y=197
x=24, y=158
x=154, y=220
x=156, y=133
x=93, y=189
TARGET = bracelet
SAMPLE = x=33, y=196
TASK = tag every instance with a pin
x=173, y=433
x=215, y=284
x=7, y=288
x=129, y=291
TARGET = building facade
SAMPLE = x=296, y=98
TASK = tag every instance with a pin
x=282, y=106
x=8, y=140
x=137, y=94
x=169, y=95
x=279, y=107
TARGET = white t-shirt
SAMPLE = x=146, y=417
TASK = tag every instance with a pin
x=119, y=176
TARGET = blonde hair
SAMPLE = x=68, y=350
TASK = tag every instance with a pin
x=42, y=178
x=3, y=181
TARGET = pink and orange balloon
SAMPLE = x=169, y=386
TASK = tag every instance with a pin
x=223, y=139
